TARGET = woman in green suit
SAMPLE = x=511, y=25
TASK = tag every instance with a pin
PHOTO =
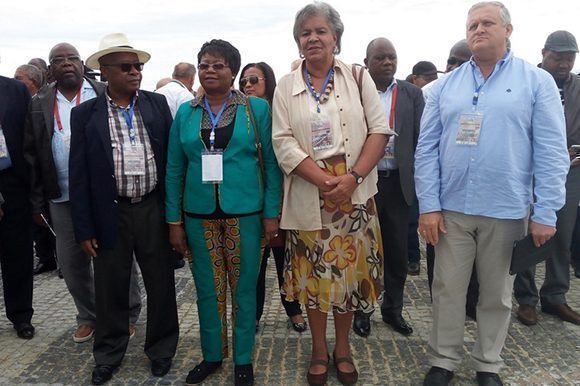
x=221, y=199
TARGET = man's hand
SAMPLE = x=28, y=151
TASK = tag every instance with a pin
x=541, y=233
x=270, y=228
x=342, y=188
x=89, y=247
x=574, y=161
x=430, y=224
x=178, y=239
x=38, y=220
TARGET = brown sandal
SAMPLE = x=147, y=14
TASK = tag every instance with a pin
x=345, y=378
x=318, y=379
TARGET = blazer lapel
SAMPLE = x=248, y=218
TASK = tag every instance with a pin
x=146, y=111
x=399, y=103
x=47, y=105
x=100, y=123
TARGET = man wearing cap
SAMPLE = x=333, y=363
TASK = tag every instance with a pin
x=423, y=73
x=558, y=56
x=16, y=227
x=46, y=149
x=179, y=89
x=492, y=137
x=403, y=106
x=117, y=168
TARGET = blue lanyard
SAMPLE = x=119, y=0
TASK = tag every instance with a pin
x=129, y=119
x=312, y=91
x=478, y=87
x=214, y=119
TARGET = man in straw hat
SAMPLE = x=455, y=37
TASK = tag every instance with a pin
x=117, y=169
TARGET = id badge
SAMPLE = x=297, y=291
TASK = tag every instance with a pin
x=390, y=149
x=321, y=131
x=3, y=146
x=134, y=159
x=212, y=167
x=469, y=129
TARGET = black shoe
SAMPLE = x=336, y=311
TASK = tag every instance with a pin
x=471, y=312
x=488, y=379
x=398, y=324
x=438, y=376
x=361, y=324
x=243, y=375
x=414, y=269
x=201, y=372
x=179, y=263
x=42, y=268
x=102, y=374
x=160, y=367
x=24, y=330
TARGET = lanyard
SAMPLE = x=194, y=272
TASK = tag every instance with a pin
x=392, y=111
x=179, y=83
x=311, y=88
x=214, y=119
x=56, y=111
x=129, y=120
x=476, y=91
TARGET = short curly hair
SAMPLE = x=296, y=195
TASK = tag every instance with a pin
x=226, y=50
x=319, y=8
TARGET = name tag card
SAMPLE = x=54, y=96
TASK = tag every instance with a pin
x=3, y=146
x=390, y=149
x=469, y=129
x=321, y=131
x=212, y=167
x=134, y=159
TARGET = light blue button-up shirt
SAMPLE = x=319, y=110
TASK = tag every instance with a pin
x=522, y=140
x=386, y=100
x=61, y=139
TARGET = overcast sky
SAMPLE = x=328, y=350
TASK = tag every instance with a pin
x=174, y=30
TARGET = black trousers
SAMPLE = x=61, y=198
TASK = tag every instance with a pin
x=291, y=308
x=141, y=231
x=16, y=258
x=44, y=242
x=393, y=214
x=575, y=257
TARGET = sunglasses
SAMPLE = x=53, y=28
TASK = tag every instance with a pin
x=216, y=66
x=126, y=67
x=58, y=60
x=253, y=79
x=454, y=61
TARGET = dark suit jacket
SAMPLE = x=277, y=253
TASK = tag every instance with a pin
x=14, y=100
x=93, y=188
x=408, y=110
x=38, y=134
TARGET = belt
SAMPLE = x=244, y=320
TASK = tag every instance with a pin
x=388, y=173
x=136, y=200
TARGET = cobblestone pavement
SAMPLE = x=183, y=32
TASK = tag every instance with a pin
x=545, y=354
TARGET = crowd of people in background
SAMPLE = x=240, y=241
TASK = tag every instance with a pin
x=335, y=170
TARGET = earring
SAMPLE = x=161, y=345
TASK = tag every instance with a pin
x=301, y=55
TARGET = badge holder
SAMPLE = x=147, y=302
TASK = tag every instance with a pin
x=134, y=159
x=321, y=132
x=469, y=129
x=3, y=146
x=212, y=171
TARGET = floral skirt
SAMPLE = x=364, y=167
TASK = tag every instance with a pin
x=339, y=267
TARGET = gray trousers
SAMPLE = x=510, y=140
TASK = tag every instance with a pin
x=77, y=269
x=557, y=279
x=488, y=242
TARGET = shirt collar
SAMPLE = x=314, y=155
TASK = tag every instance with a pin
x=84, y=86
x=113, y=104
x=505, y=58
x=299, y=85
x=390, y=87
x=237, y=98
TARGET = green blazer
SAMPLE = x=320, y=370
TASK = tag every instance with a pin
x=242, y=190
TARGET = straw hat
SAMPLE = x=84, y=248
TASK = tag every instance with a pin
x=115, y=42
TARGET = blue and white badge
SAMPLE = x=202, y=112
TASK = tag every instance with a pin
x=321, y=131
x=134, y=159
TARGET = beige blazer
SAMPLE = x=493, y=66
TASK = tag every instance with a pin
x=291, y=139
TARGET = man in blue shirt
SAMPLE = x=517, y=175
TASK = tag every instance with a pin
x=489, y=129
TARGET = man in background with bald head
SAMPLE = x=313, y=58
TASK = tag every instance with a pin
x=179, y=89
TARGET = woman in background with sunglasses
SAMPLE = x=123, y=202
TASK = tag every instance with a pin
x=219, y=203
x=258, y=80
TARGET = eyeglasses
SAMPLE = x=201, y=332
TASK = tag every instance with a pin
x=455, y=62
x=126, y=67
x=253, y=79
x=58, y=60
x=216, y=66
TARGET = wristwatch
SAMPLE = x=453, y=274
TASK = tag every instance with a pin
x=357, y=177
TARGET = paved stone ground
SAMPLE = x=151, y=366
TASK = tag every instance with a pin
x=546, y=354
